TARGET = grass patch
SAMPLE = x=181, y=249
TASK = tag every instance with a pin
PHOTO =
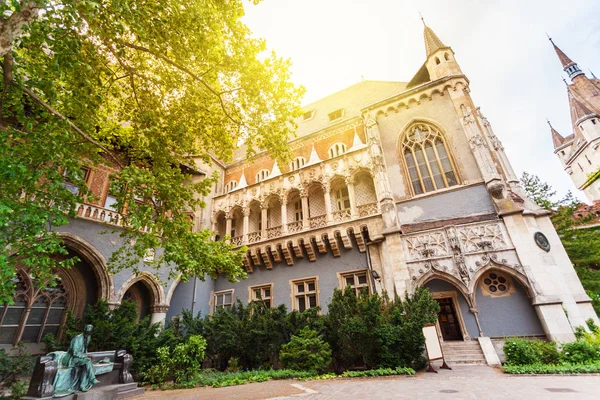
x=553, y=369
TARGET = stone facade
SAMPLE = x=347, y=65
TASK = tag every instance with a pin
x=392, y=185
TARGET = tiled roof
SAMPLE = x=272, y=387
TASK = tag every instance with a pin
x=432, y=42
x=564, y=59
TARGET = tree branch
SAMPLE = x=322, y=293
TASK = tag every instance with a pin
x=73, y=126
x=11, y=29
x=187, y=71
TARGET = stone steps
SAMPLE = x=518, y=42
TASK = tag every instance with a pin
x=464, y=353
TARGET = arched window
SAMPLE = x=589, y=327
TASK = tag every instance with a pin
x=230, y=186
x=437, y=61
x=427, y=159
x=446, y=56
x=29, y=319
x=337, y=150
x=297, y=163
x=262, y=175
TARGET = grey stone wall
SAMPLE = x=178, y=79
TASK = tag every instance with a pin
x=467, y=201
x=508, y=316
x=325, y=267
x=106, y=243
x=183, y=297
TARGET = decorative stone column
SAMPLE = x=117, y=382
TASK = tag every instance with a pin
x=496, y=144
x=158, y=314
x=327, y=195
x=283, y=200
x=264, y=209
x=351, y=196
x=304, y=197
x=246, y=222
x=228, y=224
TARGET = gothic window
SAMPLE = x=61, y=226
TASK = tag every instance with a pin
x=298, y=210
x=337, y=150
x=262, y=175
x=496, y=284
x=297, y=163
x=446, y=57
x=305, y=294
x=437, y=61
x=230, y=186
x=342, y=198
x=29, y=319
x=427, y=160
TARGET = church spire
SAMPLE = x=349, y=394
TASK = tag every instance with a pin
x=557, y=138
x=569, y=66
x=432, y=42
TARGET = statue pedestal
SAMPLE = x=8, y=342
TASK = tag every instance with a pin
x=108, y=392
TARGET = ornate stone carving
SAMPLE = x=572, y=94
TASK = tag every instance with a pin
x=493, y=258
x=481, y=237
x=496, y=190
x=318, y=222
x=254, y=237
x=365, y=210
x=427, y=245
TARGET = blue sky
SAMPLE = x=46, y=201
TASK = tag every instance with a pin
x=501, y=46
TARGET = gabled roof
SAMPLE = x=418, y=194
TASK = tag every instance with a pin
x=578, y=109
x=351, y=100
x=557, y=139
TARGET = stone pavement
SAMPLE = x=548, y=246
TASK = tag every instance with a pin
x=463, y=382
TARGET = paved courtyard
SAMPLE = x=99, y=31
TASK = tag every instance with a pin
x=463, y=382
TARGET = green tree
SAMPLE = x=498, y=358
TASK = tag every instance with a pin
x=540, y=192
x=146, y=87
x=306, y=352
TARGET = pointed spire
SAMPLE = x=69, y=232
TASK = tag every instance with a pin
x=432, y=42
x=557, y=138
x=569, y=66
x=579, y=110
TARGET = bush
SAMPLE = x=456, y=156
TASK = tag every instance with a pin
x=306, y=352
x=580, y=352
x=520, y=352
x=180, y=364
x=553, y=369
x=14, y=367
x=546, y=352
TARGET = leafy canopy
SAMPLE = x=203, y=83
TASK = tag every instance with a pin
x=150, y=89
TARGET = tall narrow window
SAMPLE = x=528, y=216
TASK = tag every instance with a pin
x=297, y=163
x=427, y=161
x=342, y=199
x=337, y=150
x=298, y=210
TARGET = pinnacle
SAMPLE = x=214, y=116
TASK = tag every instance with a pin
x=557, y=138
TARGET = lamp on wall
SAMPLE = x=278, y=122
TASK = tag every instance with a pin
x=375, y=275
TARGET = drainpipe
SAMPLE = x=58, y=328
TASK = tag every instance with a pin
x=370, y=266
x=194, y=297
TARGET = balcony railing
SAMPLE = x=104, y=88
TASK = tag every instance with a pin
x=274, y=232
x=254, y=237
x=295, y=226
x=318, y=221
x=237, y=240
x=341, y=215
x=364, y=210
x=100, y=214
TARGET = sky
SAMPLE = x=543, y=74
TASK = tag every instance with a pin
x=501, y=46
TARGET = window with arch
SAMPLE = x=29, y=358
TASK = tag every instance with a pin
x=337, y=150
x=230, y=186
x=446, y=56
x=297, y=163
x=437, y=61
x=427, y=159
x=262, y=175
x=33, y=314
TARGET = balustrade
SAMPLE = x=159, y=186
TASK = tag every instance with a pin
x=364, y=210
x=274, y=232
x=254, y=237
x=342, y=215
x=318, y=221
x=295, y=226
x=101, y=214
x=237, y=240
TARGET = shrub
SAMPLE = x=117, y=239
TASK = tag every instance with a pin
x=580, y=352
x=306, y=352
x=520, y=352
x=546, y=352
x=181, y=364
x=553, y=369
x=14, y=367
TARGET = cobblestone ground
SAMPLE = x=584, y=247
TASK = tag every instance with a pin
x=463, y=382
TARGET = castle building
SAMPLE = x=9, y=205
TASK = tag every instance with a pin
x=393, y=185
x=578, y=152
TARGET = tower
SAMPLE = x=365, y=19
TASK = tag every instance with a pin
x=579, y=152
x=440, y=58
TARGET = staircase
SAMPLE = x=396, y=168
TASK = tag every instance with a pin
x=464, y=353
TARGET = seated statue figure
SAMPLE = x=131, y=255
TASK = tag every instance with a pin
x=76, y=372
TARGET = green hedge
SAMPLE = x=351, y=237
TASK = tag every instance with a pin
x=553, y=369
